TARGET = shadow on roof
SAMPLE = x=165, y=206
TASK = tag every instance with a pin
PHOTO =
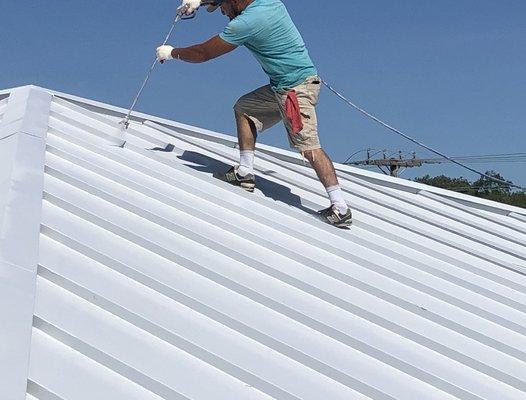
x=269, y=188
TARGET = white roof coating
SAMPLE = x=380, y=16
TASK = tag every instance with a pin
x=132, y=273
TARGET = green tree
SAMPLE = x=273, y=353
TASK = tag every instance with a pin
x=487, y=186
x=484, y=187
x=445, y=182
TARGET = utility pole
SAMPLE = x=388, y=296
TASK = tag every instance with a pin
x=393, y=164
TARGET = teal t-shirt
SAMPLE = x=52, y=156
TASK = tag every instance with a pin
x=266, y=29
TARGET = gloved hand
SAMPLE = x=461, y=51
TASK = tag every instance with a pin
x=164, y=53
x=188, y=7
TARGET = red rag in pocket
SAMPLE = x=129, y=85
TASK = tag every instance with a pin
x=292, y=112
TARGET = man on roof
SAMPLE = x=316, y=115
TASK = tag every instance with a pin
x=266, y=29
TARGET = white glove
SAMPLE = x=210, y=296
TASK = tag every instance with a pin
x=188, y=7
x=164, y=53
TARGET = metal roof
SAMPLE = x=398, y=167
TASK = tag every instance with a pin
x=131, y=273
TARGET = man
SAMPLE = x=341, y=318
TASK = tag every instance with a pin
x=266, y=29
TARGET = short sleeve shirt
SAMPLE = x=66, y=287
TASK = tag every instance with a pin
x=267, y=30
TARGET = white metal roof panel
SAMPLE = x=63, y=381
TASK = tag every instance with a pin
x=109, y=112
x=3, y=107
x=154, y=277
x=22, y=143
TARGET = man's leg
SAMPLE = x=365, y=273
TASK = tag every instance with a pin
x=246, y=132
x=308, y=143
x=324, y=168
x=246, y=137
x=255, y=111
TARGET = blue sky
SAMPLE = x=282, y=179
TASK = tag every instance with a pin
x=450, y=73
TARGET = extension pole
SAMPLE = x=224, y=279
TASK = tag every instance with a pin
x=126, y=120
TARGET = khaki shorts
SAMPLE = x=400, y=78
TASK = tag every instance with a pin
x=265, y=108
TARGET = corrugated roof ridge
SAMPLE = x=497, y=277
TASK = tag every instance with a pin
x=471, y=363
x=289, y=156
x=99, y=221
x=506, y=379
x=35, y=389
x=163, y=333
x=126, y=160
x=309, y=174
x=390, y=194
x=381, y=180
x=170, y=255
x=114, y=201
x=155, y=125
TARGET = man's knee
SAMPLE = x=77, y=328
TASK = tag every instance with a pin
x=244, y=122
x=240, y=115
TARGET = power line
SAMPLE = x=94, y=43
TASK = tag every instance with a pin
x=484, y=157
x=361, y=110
x=492, y=158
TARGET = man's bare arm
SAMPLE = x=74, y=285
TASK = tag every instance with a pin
x=203, y=52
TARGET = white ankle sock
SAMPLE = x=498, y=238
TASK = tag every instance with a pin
x=336, y=195
x=246, y=162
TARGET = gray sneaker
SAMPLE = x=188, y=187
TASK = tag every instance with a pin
x=332, y=216
x=246, y=182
